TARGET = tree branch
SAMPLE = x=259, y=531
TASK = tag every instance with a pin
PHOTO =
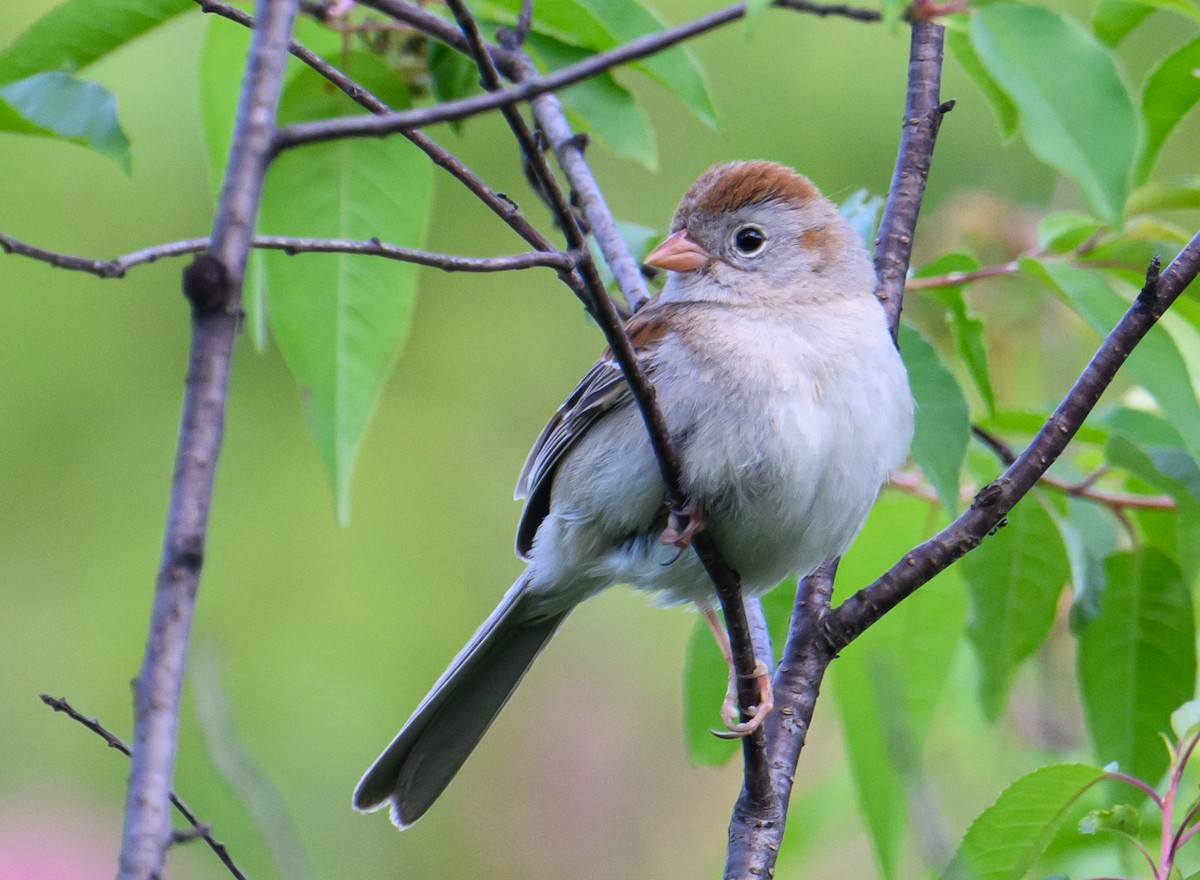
x=200, y=829
x=117, y=267
x=923, y=111
x=213, y=286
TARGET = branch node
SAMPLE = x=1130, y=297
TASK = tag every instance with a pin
x=206, y=285
x=1148, y=297
x=946, y=106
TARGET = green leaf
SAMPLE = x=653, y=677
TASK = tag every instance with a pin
x=1137, y=662
x=1077, y=115
x=1171, y=90
x=1007, y=838
x=942, y=427
x=754, y=10
x=57, y=105
x=453, y=76
x=965, y=328
x=1008, y=119
x=1114, y=19
x=1120, y=819
x=1014, y=580
x=1186, y=719
x=1156, y=364
x=1089, y=533
x=340, y=319
x=1179, y=195
x=863, y=210
x=79, y=32
x=1066, y=230
x=611, y=113
x=705, y=678
x=888, y=683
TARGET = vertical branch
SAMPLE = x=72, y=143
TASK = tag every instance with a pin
x=213, y=286
x=923, y=113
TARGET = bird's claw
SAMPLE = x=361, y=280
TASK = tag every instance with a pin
x=732, y=716
x=683, y=525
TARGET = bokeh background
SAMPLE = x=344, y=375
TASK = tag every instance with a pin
x=313, y=641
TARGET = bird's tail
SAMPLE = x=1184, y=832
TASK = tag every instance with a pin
x=443, y=731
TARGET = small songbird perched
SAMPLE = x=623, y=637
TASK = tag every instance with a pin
x=786, y=400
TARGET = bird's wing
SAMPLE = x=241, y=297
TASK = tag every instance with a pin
x=603, y=389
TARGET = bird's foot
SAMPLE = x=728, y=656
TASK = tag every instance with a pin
x=685, y=524
x=732, y=716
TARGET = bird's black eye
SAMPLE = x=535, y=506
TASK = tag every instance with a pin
x=749, y=240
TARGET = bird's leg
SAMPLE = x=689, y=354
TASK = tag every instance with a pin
x=730, y=713
x=682, y=525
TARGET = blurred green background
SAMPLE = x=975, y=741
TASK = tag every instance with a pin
x=321, y=639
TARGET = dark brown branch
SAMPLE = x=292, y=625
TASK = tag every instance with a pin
x=860, y=611
x=213, y=285
x=116, y=268
x=923, y=111
x=358, y=126
x=201, y=830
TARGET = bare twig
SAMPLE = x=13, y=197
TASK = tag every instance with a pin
x=117, y=267
x=213, y=286
x=199, y=829
x=923, y=111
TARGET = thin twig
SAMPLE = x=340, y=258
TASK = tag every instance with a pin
x=200, y=829
x=213, y=286
x=117, y=267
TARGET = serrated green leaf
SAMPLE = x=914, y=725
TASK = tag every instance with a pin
x=609, y=110
x=1171, y=90
x=59, y=106
x=1114, y=19
x=1007, y=838
x=339, y=319
x=1077, y=115
x=942, y=427
x=1179, y=195
x=1065, y=230
x=887, y=684
x=1156, y=364
x=79, y=32
x=1003, y=108
x=1014, y=580
x=1137, y=661
x=965, y=328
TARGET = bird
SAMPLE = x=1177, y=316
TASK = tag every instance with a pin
x=786, y=399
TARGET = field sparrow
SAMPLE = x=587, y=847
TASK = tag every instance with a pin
x=789, y=406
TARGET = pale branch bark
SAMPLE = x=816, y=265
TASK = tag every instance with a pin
x=994, y=501
x=299, y=134
x=213, y=286
x=117, y=267
x=199, y=829
x=439, y=155
x=923, y=111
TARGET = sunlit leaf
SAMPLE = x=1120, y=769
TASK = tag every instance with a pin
x=1014, y=579
x=1114, y=19
x=60, y=106
x=1076, y=113
x=79, y=32
x=1137, y=662
x=340, y=319
x=942, y=427
x=1171, y=90
x=1178, y=195
x=1007, y=838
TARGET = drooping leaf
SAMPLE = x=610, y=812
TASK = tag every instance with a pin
x=1171, y=90
x=340, y=319
x=942, y=427
x=57, y=105
x=79, y=32
x=1137, y=661
x=611, y=113
x=965, y=328
x=1008, y=119
x=1007, y=838
x=1156, y=364
x=1076, y=114
x=1089, y=533
x=1014, y=580
x=888, y=682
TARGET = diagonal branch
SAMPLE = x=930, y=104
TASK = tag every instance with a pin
x=213, y=286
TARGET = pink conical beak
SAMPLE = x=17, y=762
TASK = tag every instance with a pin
x=679, y=253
